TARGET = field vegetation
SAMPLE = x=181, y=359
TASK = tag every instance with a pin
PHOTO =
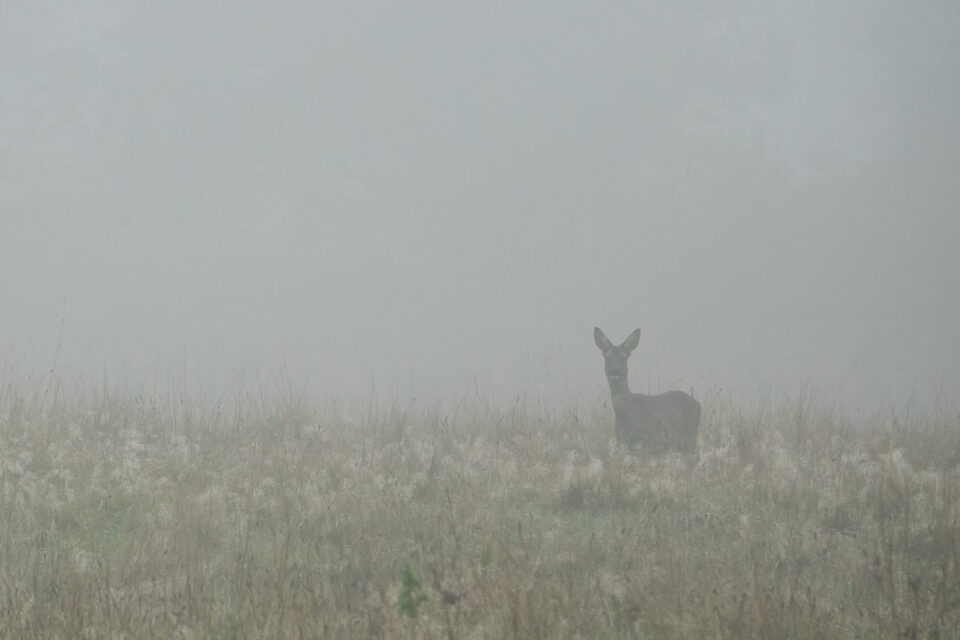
x=126, y=516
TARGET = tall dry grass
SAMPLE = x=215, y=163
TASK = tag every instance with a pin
x=126, y=517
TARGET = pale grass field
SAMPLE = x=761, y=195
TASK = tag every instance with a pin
x=127, y=518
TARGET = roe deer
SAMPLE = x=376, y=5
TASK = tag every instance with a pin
x=667, y=422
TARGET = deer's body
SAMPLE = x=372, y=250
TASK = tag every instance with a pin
x=660, y=423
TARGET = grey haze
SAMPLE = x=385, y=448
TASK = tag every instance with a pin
x=440, y=196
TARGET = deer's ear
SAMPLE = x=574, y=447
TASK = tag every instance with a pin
x=631, y=342
x=601, y=340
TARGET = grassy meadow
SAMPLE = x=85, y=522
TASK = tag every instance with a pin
x=128, y=517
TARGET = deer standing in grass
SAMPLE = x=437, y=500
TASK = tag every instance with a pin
x=666, y=422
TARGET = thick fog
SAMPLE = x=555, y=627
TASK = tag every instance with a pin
x=442, y=198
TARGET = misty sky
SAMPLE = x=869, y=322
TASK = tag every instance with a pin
x=427, y=195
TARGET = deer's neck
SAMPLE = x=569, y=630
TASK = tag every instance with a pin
x=619, y=388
